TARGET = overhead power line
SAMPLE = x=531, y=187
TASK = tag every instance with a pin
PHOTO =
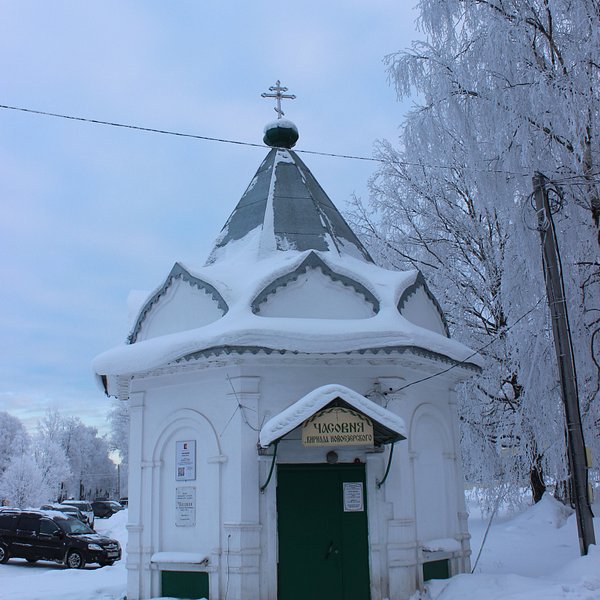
x=126, y=126
x=169, y=132
x=566, y=180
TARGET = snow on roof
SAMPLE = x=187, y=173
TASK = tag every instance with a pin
x=290, y=210
x=297, y=413
x=283, y=218
x=280, y=123
x=241, y=278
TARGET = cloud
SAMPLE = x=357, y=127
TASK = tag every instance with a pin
x=30, y=408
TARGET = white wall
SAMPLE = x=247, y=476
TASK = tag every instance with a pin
x=223, y=407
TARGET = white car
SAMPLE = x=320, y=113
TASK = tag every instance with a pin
x=85, y=508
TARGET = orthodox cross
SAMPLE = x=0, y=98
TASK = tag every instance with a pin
x=278, y=95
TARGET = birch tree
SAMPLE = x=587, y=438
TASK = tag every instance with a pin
x=506, y=88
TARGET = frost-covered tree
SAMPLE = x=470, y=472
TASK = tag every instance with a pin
x=22, y=484
x=92, y=471
x=53, y=464
x=13, y=438
x=64, y=458
x=506, y=88
x=118, y=418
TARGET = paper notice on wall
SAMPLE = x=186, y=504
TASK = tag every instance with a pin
x=185, y=506
x=353, y=496
x=185, y=460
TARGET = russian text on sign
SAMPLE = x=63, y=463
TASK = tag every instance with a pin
x=337, y=427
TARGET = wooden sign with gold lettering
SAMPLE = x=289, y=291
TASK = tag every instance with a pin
x=337, y=427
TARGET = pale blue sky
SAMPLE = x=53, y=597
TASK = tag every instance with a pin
x=91, y=212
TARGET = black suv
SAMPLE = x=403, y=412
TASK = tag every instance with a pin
x=50, y=535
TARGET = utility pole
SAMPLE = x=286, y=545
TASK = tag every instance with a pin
x=578, y=467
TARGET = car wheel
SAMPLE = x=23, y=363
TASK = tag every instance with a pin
x=75, y=560
x=31, y=560
x=4, y=555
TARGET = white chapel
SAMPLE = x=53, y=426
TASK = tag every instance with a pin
x=293, y=423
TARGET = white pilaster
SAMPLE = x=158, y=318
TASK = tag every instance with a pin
x=402, y=531
x=135, y=528
x=242, y=550
x=462, y=515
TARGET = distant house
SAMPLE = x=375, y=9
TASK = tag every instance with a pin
x=279, y=445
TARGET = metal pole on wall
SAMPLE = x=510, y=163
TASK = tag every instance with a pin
x=578, y=467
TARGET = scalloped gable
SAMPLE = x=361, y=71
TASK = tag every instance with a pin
x=418, y=305
x=182, y=302
x=313, y=290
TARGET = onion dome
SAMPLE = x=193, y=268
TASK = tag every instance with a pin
x=281, y=133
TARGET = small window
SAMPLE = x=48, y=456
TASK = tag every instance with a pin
x=436, y=569
x=184, y=584
x=48, y=527
x=7, y=521
x=27, y=523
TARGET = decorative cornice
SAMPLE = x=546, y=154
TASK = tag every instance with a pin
x=385, y=350
x=226, y=354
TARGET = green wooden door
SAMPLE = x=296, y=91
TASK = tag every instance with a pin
x=322, y=528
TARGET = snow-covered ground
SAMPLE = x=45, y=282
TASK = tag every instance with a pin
x=531, y=556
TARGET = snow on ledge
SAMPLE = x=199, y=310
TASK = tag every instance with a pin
x=240, y=280
x=306, y=407
x=441, y=545
x=192, y=558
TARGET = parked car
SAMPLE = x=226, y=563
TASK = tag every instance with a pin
x=72, y=511
x=49, y=535
x=84, y=507
x=105, y=508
